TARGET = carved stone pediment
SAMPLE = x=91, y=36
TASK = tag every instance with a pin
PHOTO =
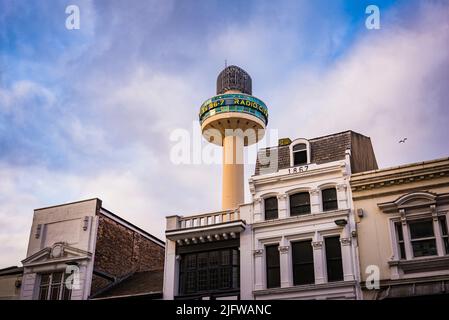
x=60, y=251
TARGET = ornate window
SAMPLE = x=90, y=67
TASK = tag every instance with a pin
x=419, y=227
x=53, y=286
x=299, y=203
x=271, y=208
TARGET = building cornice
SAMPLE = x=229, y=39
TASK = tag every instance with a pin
x=302, y=218
x=400, y=175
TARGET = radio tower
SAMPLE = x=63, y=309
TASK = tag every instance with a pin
x=233, y=119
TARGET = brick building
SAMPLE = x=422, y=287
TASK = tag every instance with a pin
x=85, y=244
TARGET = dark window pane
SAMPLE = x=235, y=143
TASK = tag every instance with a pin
x=421, y=229
x=271, y=208
x=67, y=293
x=333, y=259
x=202, y=280
x=399, y=231
x=401, y=243
x=299, y=157
x=54, y=292
x=424, y=248
x=299, y=146
x=211, y=270
x=443, y=225
x=302, y=257
x=273, y=266
x=43, y=292
x=299, y=203
x=329, y=199
x=45, y=279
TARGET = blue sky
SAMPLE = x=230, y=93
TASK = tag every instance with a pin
x=88, y=113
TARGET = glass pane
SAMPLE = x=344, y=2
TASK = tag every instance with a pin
x=225, y=258
x=45, y=279
x=272, y=264
x=399, y=231
x=421, y=229
x=299, y=203
x=202, y=260
x=402, y=250
x=202, y=280
x=329, y=197
x=333, y=259
x=43, y=292
x=299, y=157
x=271, y=203
x=66, y=293
x=213, y=279
x=424, y=248
x=299, y=146
x=303, y=268
x=56, y=278
x=443, y=225
x=271, y=208
x=54, y=292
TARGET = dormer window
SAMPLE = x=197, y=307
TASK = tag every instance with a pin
x=299, y=152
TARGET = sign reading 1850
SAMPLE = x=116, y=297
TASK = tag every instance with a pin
x=234, y=103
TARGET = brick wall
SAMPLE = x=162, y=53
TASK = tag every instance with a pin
x=121, y=251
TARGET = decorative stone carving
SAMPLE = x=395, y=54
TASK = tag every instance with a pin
x=317, y=245
x=314, y=192
x=282, y=196
x=283, y=249
x=85, y=223
x=345, y=241
x=258, y=252
x=341, y=187
x=403, y=217
x=38, y=231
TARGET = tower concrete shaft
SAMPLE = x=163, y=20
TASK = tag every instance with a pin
x=233, y=172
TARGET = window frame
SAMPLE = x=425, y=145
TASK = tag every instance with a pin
x=276, y=268
x=409, y=252
x=307, y=149
x=265, y=207
x=299, y=192
x=323, y=202
x=296, y=281
x=62, y=289
x=333, y=259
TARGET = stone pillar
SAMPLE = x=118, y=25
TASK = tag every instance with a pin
x=282, y=206
x=285, y=264
x=171, y=271
x=342, y=197
x=346, y=257
x=315, y=201
x=437, y=229
x=258, y=210
x=318, y=260
x=259, y=270
x=407, y=243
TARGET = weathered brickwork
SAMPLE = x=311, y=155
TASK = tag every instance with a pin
x=327, y=149
x=121, y=251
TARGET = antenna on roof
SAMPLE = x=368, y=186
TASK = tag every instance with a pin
x=226, y=63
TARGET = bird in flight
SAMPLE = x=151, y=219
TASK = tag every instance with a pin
x=403, y=140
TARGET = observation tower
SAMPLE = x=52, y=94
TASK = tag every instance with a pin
x=233, y=119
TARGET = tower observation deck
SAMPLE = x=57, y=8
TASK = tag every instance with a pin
x=233, y=119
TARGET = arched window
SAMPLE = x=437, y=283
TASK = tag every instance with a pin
x=271, y=208
x=299, y=154
x=299, y=203
x=329, y=197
